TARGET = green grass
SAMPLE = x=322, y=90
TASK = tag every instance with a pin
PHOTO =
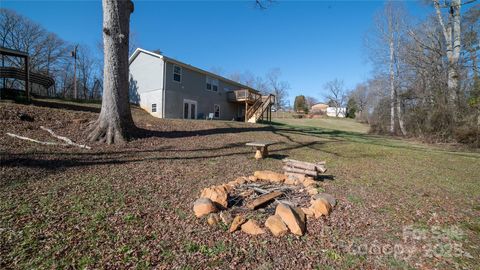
x=328, y=123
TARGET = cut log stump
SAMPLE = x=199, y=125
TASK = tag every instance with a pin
x=261, y=149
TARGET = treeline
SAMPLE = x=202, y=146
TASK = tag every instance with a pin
x=426, y=81
x=49, y=55
x=270, y=83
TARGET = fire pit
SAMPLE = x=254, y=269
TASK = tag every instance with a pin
x=282, y=202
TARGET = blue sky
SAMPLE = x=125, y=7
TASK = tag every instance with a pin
x=311, y=42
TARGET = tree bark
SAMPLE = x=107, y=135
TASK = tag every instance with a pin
x=392, y=74
x=401, y=123
x=451, y=33
x=115, y=118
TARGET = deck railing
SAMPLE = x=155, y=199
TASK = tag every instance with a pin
x=243, y=95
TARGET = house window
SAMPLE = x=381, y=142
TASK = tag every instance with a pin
x=216, y=110
x=154, y=107
x=212, y=84
x=177, y=73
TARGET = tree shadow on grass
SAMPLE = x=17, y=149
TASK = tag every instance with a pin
x=141, y=133
x=324, y=177
x=368, y=139
x=55, y=162
x=277, y=156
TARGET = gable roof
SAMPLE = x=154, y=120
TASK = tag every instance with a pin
x=176, y=62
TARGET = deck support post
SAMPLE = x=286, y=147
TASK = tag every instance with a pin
x=246, y=109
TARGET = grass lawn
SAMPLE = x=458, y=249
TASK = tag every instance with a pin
x=331, y=123
x=401, y=204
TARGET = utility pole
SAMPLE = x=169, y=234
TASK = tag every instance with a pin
x=74, y=55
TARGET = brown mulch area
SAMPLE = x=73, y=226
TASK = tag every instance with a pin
x=131, y=206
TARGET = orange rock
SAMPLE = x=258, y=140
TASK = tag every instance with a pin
x=294, y=218
x=312, y=191
x=232, y=183
x=228, y=187
x=327, y=197
x=308, y=212
x=276, y=226
x=290, y=181
x=251, y=227
x=309, y=182
x=270, y=176
x=217, y=194
x=226, y=218
x=252, y=178
x=241, y=180
x=296, y=178
x=320, y=207
x=213, y=219
x=237, y=222
x=203, y=206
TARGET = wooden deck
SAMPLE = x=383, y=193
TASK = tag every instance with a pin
x=243, y=95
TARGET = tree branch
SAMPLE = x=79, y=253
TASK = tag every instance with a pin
x=33, y=140
x=65, y=139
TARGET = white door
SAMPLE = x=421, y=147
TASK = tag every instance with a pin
x=189, y=109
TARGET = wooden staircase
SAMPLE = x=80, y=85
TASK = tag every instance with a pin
x=259, y=107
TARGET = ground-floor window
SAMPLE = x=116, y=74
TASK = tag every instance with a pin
x=154, y=107
x=216, y=110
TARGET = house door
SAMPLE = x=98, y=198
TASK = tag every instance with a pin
x=189, y=109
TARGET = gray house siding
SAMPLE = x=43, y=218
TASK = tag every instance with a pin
x=153, y=87
x=193, y=87
x=146, y=82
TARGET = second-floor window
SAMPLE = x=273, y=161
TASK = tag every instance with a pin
x=212, y=84
x=177, y=73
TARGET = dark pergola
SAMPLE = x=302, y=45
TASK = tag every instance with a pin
x=24, y=55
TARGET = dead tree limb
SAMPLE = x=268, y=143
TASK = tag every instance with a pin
x=33, y=140
x=65, y=139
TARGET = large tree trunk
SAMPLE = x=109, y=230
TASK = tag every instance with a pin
x=392, y=77
x=451, y=33
x=401, y=123
x=115, y=118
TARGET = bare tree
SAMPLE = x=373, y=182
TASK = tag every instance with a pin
x=86, y=67
x=115, y=116
x=236, y=77
x=277, y=87
x=385, y=45
x=336, y=94
x=360, y=95
x=311, y=101
x=451, y=33
x=251, y=80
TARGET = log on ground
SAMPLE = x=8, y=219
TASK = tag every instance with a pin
x=298, y=170
x=263, y=199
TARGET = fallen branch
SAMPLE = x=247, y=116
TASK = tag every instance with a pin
x=65, y=139
x=33, y=140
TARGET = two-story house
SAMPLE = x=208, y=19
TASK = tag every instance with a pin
x=168, y=88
